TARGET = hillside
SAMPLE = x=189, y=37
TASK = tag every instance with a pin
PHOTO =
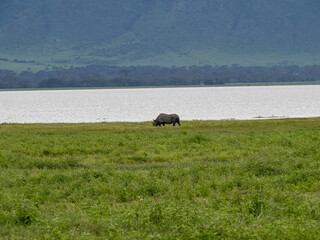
x=39, y=34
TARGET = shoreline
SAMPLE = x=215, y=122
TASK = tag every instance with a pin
x=258, y=118
x=266, y=84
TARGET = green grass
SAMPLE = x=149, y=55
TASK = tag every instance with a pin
x=204, y=180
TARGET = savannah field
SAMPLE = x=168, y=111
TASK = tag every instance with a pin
x=204, y=180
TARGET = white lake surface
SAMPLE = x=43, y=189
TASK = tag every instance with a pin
x=202, y=103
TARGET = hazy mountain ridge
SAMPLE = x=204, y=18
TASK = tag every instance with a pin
x=149, y=32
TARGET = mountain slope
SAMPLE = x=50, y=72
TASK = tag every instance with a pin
x=46, y=33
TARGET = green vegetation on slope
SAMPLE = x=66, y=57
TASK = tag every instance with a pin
x=205, y=179
x=160, y=76
x=46, y=34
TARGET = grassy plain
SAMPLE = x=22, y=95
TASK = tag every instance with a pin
x=204, y=180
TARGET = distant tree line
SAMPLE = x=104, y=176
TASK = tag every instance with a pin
x=115, y=76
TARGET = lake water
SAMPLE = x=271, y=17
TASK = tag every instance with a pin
x=203, y=103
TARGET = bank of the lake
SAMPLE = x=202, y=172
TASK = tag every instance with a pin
x=171, y=86
x=205, y=179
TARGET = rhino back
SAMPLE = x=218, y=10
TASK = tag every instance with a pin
x=162, y=117
x=175, y=116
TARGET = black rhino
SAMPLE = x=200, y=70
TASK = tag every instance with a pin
x=166, y=119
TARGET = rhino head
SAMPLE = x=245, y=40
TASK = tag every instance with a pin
x=154, y=123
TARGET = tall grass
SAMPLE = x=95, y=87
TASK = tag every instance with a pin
x=203, y=180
